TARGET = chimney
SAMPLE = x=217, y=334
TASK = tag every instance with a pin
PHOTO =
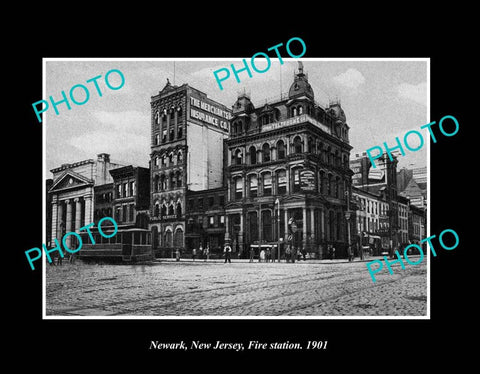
x=102, y=176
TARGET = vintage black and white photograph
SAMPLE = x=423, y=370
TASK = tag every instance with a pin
x=215, y=188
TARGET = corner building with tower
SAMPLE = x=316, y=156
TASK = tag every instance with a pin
x=288, y=162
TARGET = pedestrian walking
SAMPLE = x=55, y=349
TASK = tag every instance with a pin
x=194, y=253
x=267, y=254
x=177, y=254
x=252, y=253
x=206, y=253
x=227, y=251
x=273, y=252
x=287, y=253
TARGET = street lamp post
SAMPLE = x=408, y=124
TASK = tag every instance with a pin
x=277, y=201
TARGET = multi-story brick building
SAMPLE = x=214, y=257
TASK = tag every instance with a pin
x=288, y=160
x=187, y=134
x=131, y=196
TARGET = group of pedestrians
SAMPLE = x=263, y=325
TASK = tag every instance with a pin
x=202, y=253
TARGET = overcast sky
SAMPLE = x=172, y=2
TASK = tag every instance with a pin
x=381, y=100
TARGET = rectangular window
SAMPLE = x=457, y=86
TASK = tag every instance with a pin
x=222, y=221
x=221, y=199
x=125, y=190
x=211, y=201
x=164, y=136
x=296, y=180
x=267, y=184
x=200, y=204
x=191, y=204
x=132, y=188
x=124, y=213
x=253, y=186
x=211, y=221
x=131, y=212
x=282, y=183
x=238, y=188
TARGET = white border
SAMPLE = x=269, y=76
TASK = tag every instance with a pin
x=126, y=317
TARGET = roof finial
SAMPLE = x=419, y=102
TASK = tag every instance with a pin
x=300, y=67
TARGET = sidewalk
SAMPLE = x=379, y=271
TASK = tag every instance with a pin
x=246, y=260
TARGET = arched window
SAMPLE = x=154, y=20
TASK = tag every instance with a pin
x=171, y=211
x=321, y=182
x=267, y=184
x=300, y=110
x=179, y=179
x=281, y=182
x=253, y=185
x=170, y=159
x=156, y=211
x=297, y=145
x=329, y=184
x=320, y=151
x=172, y=180
x=311, y=145
x=168, y=238
x=178, y=238
x=280, y=150
x=179, y=157
x=237, y=157
x=266, y=152
x=163, y=182
x=294, y=111
x=239, y=127
x=179, y=209
x=163, y=210
x=156, y=180
x=253, y=155
x=337, y=187
x=179, y=132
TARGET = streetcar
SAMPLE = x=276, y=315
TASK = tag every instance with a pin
x=127, y=245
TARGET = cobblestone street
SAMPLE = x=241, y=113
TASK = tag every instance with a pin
x=168, y=288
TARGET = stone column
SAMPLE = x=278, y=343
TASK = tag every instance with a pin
x=53, y=228
x=59, y=220
x=286, y=223
x=312, y=223
x=241, y=243
x=305, y=227
x=287, y=174
x=78, y=213
x=88, y=210
x=68, y=222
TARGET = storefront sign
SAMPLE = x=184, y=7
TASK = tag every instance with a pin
x=307, y=180
x=209, y=113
